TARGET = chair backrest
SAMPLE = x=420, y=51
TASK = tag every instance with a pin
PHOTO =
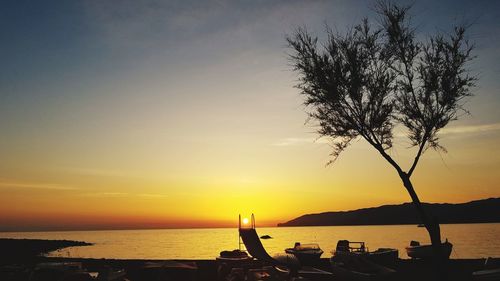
x=253, y=245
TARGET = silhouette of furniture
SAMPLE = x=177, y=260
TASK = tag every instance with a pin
x=250, y=239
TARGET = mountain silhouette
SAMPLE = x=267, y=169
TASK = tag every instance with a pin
x=479, y=211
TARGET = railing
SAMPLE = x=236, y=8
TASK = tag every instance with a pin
x=242, y=226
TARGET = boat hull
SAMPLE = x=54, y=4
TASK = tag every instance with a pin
x=426, y=251
x=306, y=257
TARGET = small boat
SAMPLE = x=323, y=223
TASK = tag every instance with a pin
x=234, y=254
x=234, y=257
x=382, y=256
x=346, y=246
x=417, y=251
x=307, y=254
x=360, y=269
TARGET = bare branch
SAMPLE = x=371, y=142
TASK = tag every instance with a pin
x=417, y=157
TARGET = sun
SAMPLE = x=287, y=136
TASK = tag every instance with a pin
x=245, y=221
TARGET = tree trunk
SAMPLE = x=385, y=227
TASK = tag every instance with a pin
x=430, y=223
x=432, y=226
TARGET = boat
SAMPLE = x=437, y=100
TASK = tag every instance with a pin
x=355, y=267
x=233, y=258
x=234, y=254
x=307, y=254
x=382, y=256
x=417, y=251
x=346, y=246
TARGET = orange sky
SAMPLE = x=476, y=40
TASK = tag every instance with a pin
x=279, y=184
x=186, y=116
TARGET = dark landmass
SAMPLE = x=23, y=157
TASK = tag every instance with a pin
x=480, y=211
x=23, y=249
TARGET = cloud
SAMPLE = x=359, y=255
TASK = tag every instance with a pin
x=457, y=130
x=48, y=186
x=95, y=172
x=148, y=24
x=123, y=194
x=299, y=141
x=105, y=194
x=471, y=129
x=151, y=195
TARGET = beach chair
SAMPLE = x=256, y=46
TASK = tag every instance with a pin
x=250, y=239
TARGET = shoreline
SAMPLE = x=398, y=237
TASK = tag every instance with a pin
x=28, y=253
x=24, y=249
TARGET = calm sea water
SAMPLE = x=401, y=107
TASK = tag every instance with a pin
x=469, y=240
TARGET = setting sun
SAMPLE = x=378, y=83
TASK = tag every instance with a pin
x=245, y=221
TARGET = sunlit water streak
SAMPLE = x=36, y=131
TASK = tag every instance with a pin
x=469, y=240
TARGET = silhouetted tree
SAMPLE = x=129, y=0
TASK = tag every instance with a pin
x=364, y=83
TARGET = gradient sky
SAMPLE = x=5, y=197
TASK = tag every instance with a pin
x=120, y=114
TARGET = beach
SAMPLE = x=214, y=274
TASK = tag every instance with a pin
x=23, y=256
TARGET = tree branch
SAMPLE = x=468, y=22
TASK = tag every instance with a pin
x=384, y=154
x=419, y=153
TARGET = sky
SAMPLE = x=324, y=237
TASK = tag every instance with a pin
x=139, y=114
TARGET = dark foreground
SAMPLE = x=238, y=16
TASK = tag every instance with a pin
x=20, y=258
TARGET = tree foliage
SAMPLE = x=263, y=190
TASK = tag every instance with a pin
x=367, y=81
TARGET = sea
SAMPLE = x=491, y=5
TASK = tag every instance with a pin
x=469, y=240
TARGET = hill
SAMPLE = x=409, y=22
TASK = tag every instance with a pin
x=480, y=211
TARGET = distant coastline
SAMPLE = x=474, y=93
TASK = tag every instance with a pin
x=479, y=211
x=23, y=249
